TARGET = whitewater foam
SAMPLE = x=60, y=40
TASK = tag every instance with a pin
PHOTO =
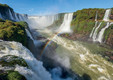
x=101, y=33
x=107, y=13
x=36, y=66
x=65, y=26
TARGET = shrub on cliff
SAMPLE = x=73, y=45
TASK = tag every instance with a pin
x=84, y=20
x=13, y=31
x=11, y=61
x=11, y=75
x=15, y=76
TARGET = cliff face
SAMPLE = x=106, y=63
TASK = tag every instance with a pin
x=7, y=12
x=84, y=21
x=109, y=36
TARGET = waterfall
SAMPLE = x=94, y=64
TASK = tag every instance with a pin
x=100, y=36
x=10, y=14
x=29, y=34
x=96, y=16
x=94, y=26
x=91, y=34
x=1, y=16
x=101, y=33
x=36, y=72
x=65, y=26
x=95, y=32
x=82, y=60
x=107, y=13
x=40, y=22
x=14, y=16
x=94, y=35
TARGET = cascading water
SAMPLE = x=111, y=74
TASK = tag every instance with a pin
x=106, y=18
x=100, y=36
x=40, y=22
x=92, y=32
x=37, y=72
x=1, y=16
x=29, y=34
x=95, y=32
x=11, y=16
x=82, y=60
x=95, y=26
x=14, y=16
x=79, y=58
x=65, y=26
x=107, y=13
x=71, y=54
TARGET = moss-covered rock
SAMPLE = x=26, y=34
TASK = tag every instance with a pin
x=108, y=35
x=13, y=31
x=84, y=20
x=15, y=76
x=11, y=61
x=11, y=75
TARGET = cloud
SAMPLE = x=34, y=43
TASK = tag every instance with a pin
x=30, y=10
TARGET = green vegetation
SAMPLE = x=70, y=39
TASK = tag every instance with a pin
x=13, y=31
x=108, y=32
x=15, y=76
x=101, y=26
x=111, y=16
x=84, y=20
x=111, y=11
x=83, y=27
x=4, y=5
x=11, y=61
x=11, y=75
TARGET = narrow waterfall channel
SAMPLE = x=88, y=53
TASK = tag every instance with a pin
x=98, y=37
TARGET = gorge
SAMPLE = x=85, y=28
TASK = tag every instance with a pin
x=64, y=46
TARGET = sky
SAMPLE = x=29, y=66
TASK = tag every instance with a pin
x=43, y=7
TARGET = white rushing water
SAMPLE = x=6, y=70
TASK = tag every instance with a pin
x=29, y=34
x=107, y=13
x=99, y=37
x=92, y=32
x=95, y=32
x=79, y=58
x=11, y=16
x=96, y=17
x=82, y=60
x=65, y=26
x=101, y=33
x=15, y=16
x=40, y=22
x=36, y=72
x=94, y=26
